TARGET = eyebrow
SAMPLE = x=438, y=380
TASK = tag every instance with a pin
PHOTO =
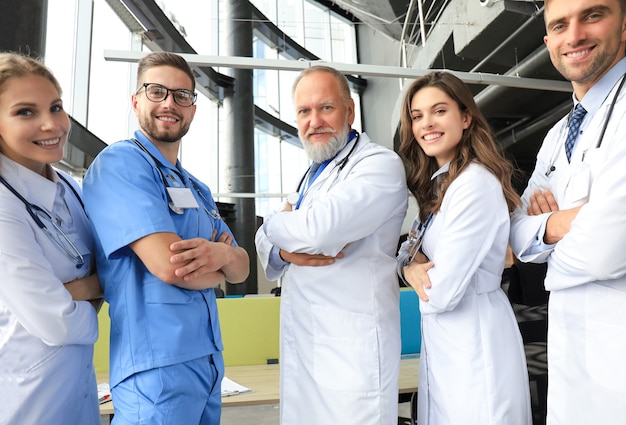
x=436, y=105
x=317, y=104
x=32, y=104
x=585, y=12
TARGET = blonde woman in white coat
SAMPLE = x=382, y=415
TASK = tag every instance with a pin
x=473, y=367
x=46, y=332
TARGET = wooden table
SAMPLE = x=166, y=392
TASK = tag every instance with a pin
x=264, y=381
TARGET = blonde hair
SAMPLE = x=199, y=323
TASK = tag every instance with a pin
x=15, y=65
x=477, y=145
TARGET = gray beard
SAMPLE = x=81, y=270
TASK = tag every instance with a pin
x=321, y=153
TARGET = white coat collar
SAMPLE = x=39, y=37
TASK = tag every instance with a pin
x=35, y=188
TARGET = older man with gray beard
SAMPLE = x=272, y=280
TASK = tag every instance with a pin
x=334, y=248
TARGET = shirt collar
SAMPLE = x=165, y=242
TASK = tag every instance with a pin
x=598, y=93
x=156, y=153
x=444, y=169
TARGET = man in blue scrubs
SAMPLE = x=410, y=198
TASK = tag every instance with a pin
x=161, y=248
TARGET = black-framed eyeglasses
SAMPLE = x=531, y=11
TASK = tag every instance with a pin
x=158, y=93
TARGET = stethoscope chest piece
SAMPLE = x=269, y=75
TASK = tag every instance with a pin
x=175, y=209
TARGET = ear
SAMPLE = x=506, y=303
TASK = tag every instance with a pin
x=351, y=113
x=134, y=102
x=467, y=120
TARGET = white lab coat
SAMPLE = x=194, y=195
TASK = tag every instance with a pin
x=340, y=324
x=46, y=338
x=472, y=366
x=586, y=269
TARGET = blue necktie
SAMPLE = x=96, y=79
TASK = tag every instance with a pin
x=572, y=130
x=315, y=170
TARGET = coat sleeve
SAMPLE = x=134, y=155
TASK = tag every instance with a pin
x=593, y=250
x=527, y=231
x=264, y=248
x=30, y=289
x=472, y=217
x=373, y=190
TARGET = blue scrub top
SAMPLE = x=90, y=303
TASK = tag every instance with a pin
x=153, y=324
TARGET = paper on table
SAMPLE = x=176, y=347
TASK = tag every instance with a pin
x=230, y=387
x=104, y=392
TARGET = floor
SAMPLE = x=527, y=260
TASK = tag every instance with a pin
x=268, y=414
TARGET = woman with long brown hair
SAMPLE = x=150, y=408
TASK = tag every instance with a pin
x=472, y=367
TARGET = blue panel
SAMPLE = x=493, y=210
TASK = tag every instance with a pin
x=410, y=318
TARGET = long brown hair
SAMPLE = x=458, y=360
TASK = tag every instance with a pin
x=477, y=145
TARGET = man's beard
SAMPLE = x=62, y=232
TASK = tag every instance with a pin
x=148, y=125
x=322, y=152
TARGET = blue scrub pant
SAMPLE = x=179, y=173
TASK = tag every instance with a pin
x=181, y=394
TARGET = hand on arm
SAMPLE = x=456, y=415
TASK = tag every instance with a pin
x=310, y=260
x=86, y=289
x=198, y=258
x=154, y=251
x=416, y=274
x=559, y=222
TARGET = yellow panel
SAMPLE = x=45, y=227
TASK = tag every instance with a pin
x=101, y=349
x=250, y=328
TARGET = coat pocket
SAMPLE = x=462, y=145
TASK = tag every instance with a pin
x=345, y=350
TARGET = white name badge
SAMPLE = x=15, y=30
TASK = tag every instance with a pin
x=182, y=197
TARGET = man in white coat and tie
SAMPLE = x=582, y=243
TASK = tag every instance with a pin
x=573, y=216
x=335, y=251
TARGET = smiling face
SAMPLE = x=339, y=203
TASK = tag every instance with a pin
x=33, y=125
x=585, y=39
x=166, y=121
x=437, y=123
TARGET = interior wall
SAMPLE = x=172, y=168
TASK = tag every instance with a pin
x=381, y=93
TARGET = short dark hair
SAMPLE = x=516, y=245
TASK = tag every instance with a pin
x=155, y=59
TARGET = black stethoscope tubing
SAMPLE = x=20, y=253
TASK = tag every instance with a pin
x=31, y=208
x=604, y=125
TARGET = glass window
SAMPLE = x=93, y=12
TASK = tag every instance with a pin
x=111, y=83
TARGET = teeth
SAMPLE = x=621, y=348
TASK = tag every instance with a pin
x=578, y=54
x=430, y=137
x=168, y=119
x=47, y=142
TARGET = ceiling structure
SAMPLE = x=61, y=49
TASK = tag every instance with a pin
x=503, y=37
x=497, y=37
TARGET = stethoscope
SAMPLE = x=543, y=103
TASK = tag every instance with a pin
x=552, y=167
x=415, y=239
x=38, y=214
x=296, y=197
x=213, y=213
